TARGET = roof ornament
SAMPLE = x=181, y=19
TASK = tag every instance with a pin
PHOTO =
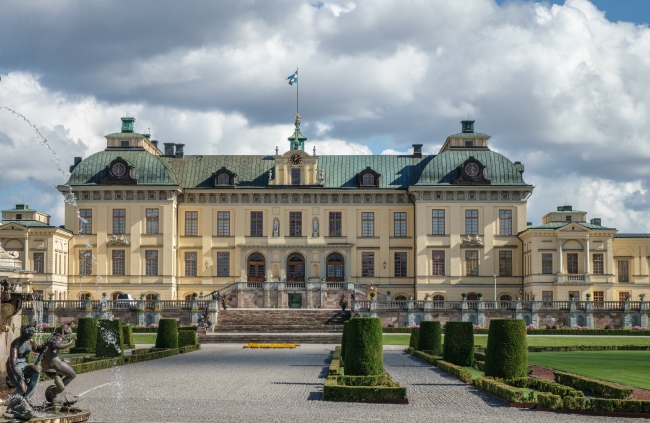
x=314, y=150
x=276, y=150
x=297, y=140
x=270, y=174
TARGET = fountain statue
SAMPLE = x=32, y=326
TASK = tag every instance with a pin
x=55, y=367
x=22, y=375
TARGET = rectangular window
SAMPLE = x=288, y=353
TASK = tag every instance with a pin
x=438, y=222
x=124, y=144
x=119, y=221
x=622, y=296
x=572, y=263
x=152, y=221
x=599, y=296
x=400, y=264
x=598, y=264
x=256, y=223
x=547, y=297
x=295, y=223
x=623, y=271
x=547, y=263
x=471, y=222
x=295, y=176
x=118, y=262
x=191, y=223
x=223, y=264
x=151, y=262
x=400, y=224
x=367, y=224
x=85, y=221
x=505, y=222
x=190, y=264
x=85, y=262
x=335, y=224
x=438, y=263
x=39, y=262
x=368, y=264
x=505, y=263
x=223, y=223
x=471, y=263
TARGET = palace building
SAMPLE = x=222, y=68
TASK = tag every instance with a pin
x=151, y=221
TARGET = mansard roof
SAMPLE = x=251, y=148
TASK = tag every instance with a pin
x=441, y=170
x=148, y=168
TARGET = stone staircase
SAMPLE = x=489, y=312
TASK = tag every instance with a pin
x=277, y=326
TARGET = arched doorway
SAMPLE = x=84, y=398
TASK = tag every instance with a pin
x=256, y=267
x=335, y=263
x=295, y=268
x=472, y=297
x=115, y=295
x=438, y=301
x=85, y=296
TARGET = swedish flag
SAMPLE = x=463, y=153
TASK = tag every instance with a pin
x=293, y=78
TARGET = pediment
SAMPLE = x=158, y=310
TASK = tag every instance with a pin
x=573, y=228
x=13, y=227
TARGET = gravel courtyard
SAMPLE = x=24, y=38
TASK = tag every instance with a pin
x=226, y=383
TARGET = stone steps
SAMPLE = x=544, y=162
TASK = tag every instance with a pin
x=270, y=338
x=279, y=328
x=280, y=321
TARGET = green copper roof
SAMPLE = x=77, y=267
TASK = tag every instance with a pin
x=469, y=135
x=556, y=225
x=28, y=223
x=148, y=169
x=196, y=171
x=441, y=170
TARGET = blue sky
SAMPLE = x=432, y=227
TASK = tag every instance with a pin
x=637, y=11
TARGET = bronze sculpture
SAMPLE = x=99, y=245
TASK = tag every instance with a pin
x=59, y=370
x=22, y=375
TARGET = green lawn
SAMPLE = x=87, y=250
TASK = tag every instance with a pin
x=144, y=338
x=396, y=339
x=544, y=341
x=625, y=367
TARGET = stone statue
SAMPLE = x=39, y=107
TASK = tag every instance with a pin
x=22, y=376
x=270, y=175
x=59, y=370
x=314, y=224
x=276, y=227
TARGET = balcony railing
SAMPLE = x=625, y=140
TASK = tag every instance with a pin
x=501, y=305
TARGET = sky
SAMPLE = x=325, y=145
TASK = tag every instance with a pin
x=561, y=86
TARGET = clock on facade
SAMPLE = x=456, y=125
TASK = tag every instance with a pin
x=118, y=169
x=295, y=159
x=471, y=169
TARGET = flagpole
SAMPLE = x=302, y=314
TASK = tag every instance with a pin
x=297, y=91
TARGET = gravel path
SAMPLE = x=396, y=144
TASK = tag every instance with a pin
x=224, y=382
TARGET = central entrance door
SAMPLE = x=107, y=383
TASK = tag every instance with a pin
x=256, y=268
x=296, y=268
x=295, y=300
x=335, y=267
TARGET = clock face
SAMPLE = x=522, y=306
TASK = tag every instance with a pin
x=118, y=169
x=295, y=159
x=472, y=169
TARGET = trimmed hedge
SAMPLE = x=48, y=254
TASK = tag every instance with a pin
x=599, y=405
x=423, y=356
x=485, y=331
x=506, y=355
x=344, y=339
x=459, y=343
x=167, y=334
x=547, y=400
x=374, y=380
x=598, y=387
x=452, y=369
x=430, y=338
x=396, y=330
x=414, y=341
x=187, y=337
x=194, y=328
x=86, y=336
x=110, y=338
x=544, y=386
x=591, y=348
x=500, y=389
x=364, y=353
x=335, y=392
x=127, y=333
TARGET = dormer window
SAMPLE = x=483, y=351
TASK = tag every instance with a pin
x=469, y=143
x=119, y=172
x=19, y=216
x=568, y=218
x=224, y=178
x=124, y=144
x=368, y=178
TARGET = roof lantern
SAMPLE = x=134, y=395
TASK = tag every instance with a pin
x=565, y=208
x=468, y=126
x=127, y=124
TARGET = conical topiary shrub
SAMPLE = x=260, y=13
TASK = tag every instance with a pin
x=109, y=338
x=506, y=355
x=430, y=337
x=364, y=355
x=343, y=339
x=459, y=343
x=167, y=334
x=127, y=333
x=414, y=341
x=86, y=336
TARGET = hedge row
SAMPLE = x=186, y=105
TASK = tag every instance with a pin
x=544, y=386
x=187, y=337
x=424, y=356
x=500, y=389
x=374, y=380
x=335, y=392
x=598, y=387
x=459, y=343
x=600, y=405
x=485, y=331
x=591, y=348
x=452, y=369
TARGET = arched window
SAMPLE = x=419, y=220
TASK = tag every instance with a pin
x=438, y=301
x=296, y=268
x=150, y=297
x=505, y=297
x=223, y=179
x=335, y=265
x=256, y=267
x=400, y=297
x=85, y=296
x=472, y=297
x=368, y=179
x=188, y=297
x=115, y=295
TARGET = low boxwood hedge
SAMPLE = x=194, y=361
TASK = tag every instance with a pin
x=452, y=369
x=591, y=348
x=374, y=380
x=332, y=391
x=430, y=338
x=187, y=337
x=424, y=356
x=500, y=389
x=544, y=386
x=459, y=343
x=506, y=355
x=599, y=405
x=167, y=334
x=598, y=387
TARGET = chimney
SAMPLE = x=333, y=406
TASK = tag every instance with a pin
x=77, y=160
x=596, y=221
x=468, y=126
x=179, y=151
x=155, y=143
x=169, y=149
x=417, y=151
